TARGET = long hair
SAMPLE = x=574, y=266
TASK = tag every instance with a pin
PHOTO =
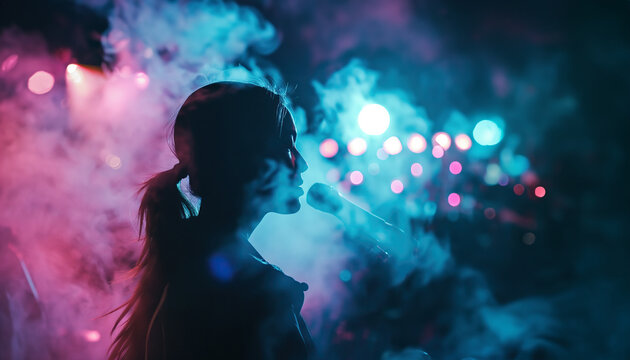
x=161, y=212
x=211, y=121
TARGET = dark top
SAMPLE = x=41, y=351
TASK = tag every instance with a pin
x=226, y=302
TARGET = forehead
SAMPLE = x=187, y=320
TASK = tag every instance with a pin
x=288, y=127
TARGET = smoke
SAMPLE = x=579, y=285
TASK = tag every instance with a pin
x=487, y=281
x=73, y=159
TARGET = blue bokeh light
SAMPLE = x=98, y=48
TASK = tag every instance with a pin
x=345, y=275
x=221, y=268
x=487, y=133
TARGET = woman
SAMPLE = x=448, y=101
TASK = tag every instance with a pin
x=204, y=292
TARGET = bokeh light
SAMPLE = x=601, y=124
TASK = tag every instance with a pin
x=443, y=139
x=514, y=165
x=540, y=191
x=416, y=143
x=455, y=167
x=373, y=119
x=41, y=82
x=519, y=189
x=397, y=186
x=493, y=174
x=357, y=146
x=416, y=169
x=142, y=80
x=381, y=154
x=392, y=146
x=113, y=161
x=504, y=180
x=529, y=238
x=487, y=133
x=529, y=178
x=91, y=335
x=437, y=152
x=345, y=275
x=333, y=175
x=490, y=213
x=356, y=177
x=9, y=63
x=374, y=169
x=454, y=199
x=463, y=142
x=328, y=148
x=73, y=73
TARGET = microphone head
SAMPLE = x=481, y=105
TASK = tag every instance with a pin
x=324, y=198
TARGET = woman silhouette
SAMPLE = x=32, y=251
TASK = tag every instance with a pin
x=204, y=292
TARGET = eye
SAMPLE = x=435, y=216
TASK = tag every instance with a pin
x=291, y=156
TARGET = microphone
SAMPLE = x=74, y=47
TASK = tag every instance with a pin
x=385, y=237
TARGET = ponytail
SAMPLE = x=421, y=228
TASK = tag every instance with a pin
x=162, y=211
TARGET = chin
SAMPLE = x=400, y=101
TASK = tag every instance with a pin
x=290, y=206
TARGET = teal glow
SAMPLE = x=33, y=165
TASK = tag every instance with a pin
x=493, y=174
x=345, y=275
x=514, y=165
x=430, y=208
x=487, y=133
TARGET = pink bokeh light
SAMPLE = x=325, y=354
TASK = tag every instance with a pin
x=416, y=143
x=463, y=142
x=92, y=335
x=392, y=146
x=142, y=80
x=454, y=199
x=397, y=186
x=41, y=82
x=437, y=152
x=356, y=177
x=357, y=146
x=455, y=167
x=9, y=63
x=443, y=139
x=416, y=169
x=328, y=148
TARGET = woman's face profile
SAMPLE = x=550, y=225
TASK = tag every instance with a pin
x=278, y=188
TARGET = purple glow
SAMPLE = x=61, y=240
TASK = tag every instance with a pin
x=504, y=180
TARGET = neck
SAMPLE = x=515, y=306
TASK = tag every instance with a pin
x=222, y=219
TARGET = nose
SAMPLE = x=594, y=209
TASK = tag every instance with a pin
x=300, y=163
